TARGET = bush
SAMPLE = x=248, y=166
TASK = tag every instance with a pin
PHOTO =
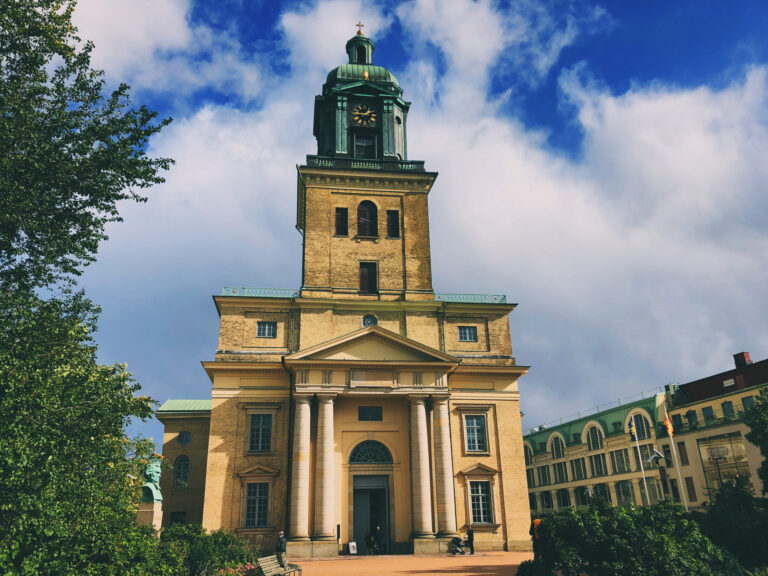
x=603, y=541
x=187, y=550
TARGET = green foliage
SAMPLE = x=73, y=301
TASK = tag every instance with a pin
x=603, y=541
x=189, y=551
x=70, y=153
x=738, y=521
x=757, y=420
x=71, y=479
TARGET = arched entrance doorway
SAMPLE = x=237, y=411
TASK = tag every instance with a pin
x=370, y=464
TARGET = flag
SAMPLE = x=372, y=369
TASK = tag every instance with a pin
x=668, y=426
x=632, y=431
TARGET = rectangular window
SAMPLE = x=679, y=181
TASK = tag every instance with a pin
x=563, y=499
x=667, y=456
x=393, y=223
x=645, y=453
x=480, y=493
x=602, y=493
x=266, y=330
x=532, y=502
x=365, y=146
x=747, y=402
x=261, y=433
x=677, y=421
x=690, y=487
x=543, y=473
x=620, y=461
x=467, y=333
x=728, y=411
x=597, y=463
x=256, y=505
x=178, y=517
x=475, y=428
x=368, y=278
x=693, y=419
x=675, y=491
x=682, y=453
x=709, y=414
x=581, y=495
x=546, y=500
x=530, y=477
x=578, y=469
x=342, y=228
x=561, y=472
x=369, y=414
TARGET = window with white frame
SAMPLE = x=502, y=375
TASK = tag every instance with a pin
x=475, y=428
x=257, y=505
x=181, y=472
x=266, y=330
x=480, y=495
x=260, y=438
x=467, y=333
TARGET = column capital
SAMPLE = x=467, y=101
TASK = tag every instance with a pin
x=326, y=398
x=440, y=400
x=302, y=399
x=417, y=398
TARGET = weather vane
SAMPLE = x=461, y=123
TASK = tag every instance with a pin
x=359, y=28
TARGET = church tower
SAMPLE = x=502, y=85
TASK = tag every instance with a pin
x=362, y=399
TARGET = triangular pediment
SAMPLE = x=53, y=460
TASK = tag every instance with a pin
x=372, y=344
x=479, y=470
x=259, y=470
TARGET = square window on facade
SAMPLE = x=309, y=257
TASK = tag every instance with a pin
x=256, y=504
x=747, y=402
x=467, y=333
x=480, y=495
x=597, y=463
x=581, y=494
x=369, y=278
x=728, y=411
x=260, y=439
x=178, y=517
x=342, y=222
x=563, y=499
x=393, y=224
x=369, y=414
x=620, y=461
x=543, y=473
x=708, y=413
x=266, y=330
x=474, y=426
x=578, y=469
x=561, y=472
x=546, y=500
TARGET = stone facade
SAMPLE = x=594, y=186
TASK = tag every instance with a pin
x=354, y=403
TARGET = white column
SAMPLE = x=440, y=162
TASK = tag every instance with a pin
x=324, y=490
x=422, y=494
x=446, y=500
x=300, y=477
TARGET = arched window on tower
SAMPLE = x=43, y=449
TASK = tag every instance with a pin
x=181, y=472
x=367, y=219
x=361, y=59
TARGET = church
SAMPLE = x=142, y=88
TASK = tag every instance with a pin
x=363, y=399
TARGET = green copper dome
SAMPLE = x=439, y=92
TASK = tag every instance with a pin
x=355, y=73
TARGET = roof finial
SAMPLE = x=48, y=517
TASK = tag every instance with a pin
x=359, y=28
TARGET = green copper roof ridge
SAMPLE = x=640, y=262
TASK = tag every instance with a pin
x=186, y=405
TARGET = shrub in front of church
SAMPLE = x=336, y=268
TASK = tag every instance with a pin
x=187, y=550
x=656, y=540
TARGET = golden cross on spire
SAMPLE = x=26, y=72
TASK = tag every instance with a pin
x=359, y=28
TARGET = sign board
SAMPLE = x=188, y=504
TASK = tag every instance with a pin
x=353, y=547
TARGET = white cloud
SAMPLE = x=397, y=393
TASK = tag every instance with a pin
x=641, y=262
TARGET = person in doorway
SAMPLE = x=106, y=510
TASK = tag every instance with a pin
x=280, y=549
x=471, y=540
x=378, y=540
x=535, y=536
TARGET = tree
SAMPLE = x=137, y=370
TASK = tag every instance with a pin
x=757, y=420
x=69, y=153
x=69, y=476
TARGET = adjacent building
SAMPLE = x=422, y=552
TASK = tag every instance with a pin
x=596, y=456
x=363, y=398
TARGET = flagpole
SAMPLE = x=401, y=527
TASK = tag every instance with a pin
x=640, y=459
x=671, y=433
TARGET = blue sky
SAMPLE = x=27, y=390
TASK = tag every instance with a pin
x=601, y=164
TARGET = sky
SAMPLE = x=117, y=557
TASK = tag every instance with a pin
x=603, y=164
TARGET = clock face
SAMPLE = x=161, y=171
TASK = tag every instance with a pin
x=363, y=115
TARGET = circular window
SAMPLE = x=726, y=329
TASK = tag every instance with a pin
x=398, y=121
x=183, y=438
x=370, y=320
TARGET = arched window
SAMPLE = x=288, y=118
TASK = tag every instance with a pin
x=370, y=452
x=528, y=455
x=367, y=219
x=181, y=472
x=642, y=428
x=594, y=439
x=558, y=449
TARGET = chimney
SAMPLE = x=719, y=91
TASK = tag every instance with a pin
x=742, y=359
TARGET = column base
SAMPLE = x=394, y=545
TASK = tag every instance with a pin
x=426, y=545
x=311, y=549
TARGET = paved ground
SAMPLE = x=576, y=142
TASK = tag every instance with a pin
x=482, y=564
